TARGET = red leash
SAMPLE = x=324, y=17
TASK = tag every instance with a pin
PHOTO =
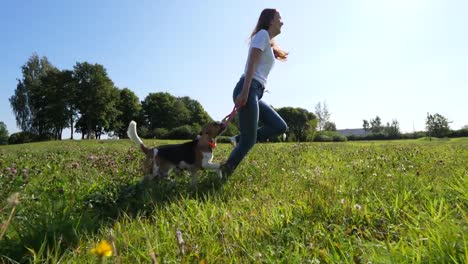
x=228, y=118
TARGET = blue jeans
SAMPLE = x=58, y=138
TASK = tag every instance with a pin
x=249, y=115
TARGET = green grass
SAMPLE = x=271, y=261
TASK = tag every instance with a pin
x=366, y=202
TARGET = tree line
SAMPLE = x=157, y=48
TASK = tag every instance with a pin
x=48, y=100
x=437, y=126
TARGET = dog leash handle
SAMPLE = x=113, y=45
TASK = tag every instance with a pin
x=228, y=118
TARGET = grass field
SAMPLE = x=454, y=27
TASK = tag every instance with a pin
x=354, y=202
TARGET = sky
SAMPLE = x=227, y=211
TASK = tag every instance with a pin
x=398, y=59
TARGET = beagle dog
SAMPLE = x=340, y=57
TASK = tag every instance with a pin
x=192, y=156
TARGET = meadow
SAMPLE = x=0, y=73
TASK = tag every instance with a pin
x=353, y=202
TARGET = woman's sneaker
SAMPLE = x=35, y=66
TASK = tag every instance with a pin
x=226, y=170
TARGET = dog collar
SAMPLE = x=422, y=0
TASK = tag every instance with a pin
x=212, y=144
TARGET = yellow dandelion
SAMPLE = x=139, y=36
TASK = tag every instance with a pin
x=103, y=249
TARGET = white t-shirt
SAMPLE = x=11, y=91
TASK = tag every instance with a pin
x=261, y=40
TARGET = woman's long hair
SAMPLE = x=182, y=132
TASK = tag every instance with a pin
x=264, y=21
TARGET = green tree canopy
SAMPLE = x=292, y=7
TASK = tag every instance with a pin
x=437, y=125
x=329, y=126
x=392, y=130
x=27, y=102
x=97, y=99
x=57, y=108
x=376, y=125
x=298, y=121
x=129, y=108
x=198, y=115
x=163, y=110
x=365, y=125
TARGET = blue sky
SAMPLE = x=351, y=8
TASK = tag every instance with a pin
x=397, y=59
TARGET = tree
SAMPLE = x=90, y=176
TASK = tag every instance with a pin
x=59, y=108
x=96, y=99
x=437, y=125
x=392, y=130
x=329, y=126
x=27, y=101
x=322, y=113
x=311, y=130
x=129, y=107
x=376, y=125
x=198, y=115
x=108, y=121
x=162, y=110
x=365, y=125
x=20, y=104
x=71, y=98
x=3, y=134
x=298, y=120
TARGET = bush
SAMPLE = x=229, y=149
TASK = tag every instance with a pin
x=376, y=136
x=291, y=137
x=420, y=134
x=414, y=135
x=356, y=137
x=323, y=138
x=160, y=133
x=385, y=136
x=458, y=133
x=183, y=132
x=339, y=138
x=329, y=136
x=196, y=128
x=144, y=132
x=22, y=137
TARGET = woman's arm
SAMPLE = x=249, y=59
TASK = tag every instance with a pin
x=254, y=58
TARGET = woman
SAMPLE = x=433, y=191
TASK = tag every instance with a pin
x=249, y=90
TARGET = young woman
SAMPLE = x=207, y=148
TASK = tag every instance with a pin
x=249, y=90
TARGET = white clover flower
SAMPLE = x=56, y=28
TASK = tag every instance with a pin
x=13, y=200
x=258, y=256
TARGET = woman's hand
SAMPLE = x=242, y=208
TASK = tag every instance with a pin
x=241, y=99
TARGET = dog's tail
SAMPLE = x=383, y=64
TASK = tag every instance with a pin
x=132, y=134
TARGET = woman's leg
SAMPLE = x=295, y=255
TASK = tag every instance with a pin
x=273, y=124
x=248, y=123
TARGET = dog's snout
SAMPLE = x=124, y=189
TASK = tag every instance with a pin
x=222, y=127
